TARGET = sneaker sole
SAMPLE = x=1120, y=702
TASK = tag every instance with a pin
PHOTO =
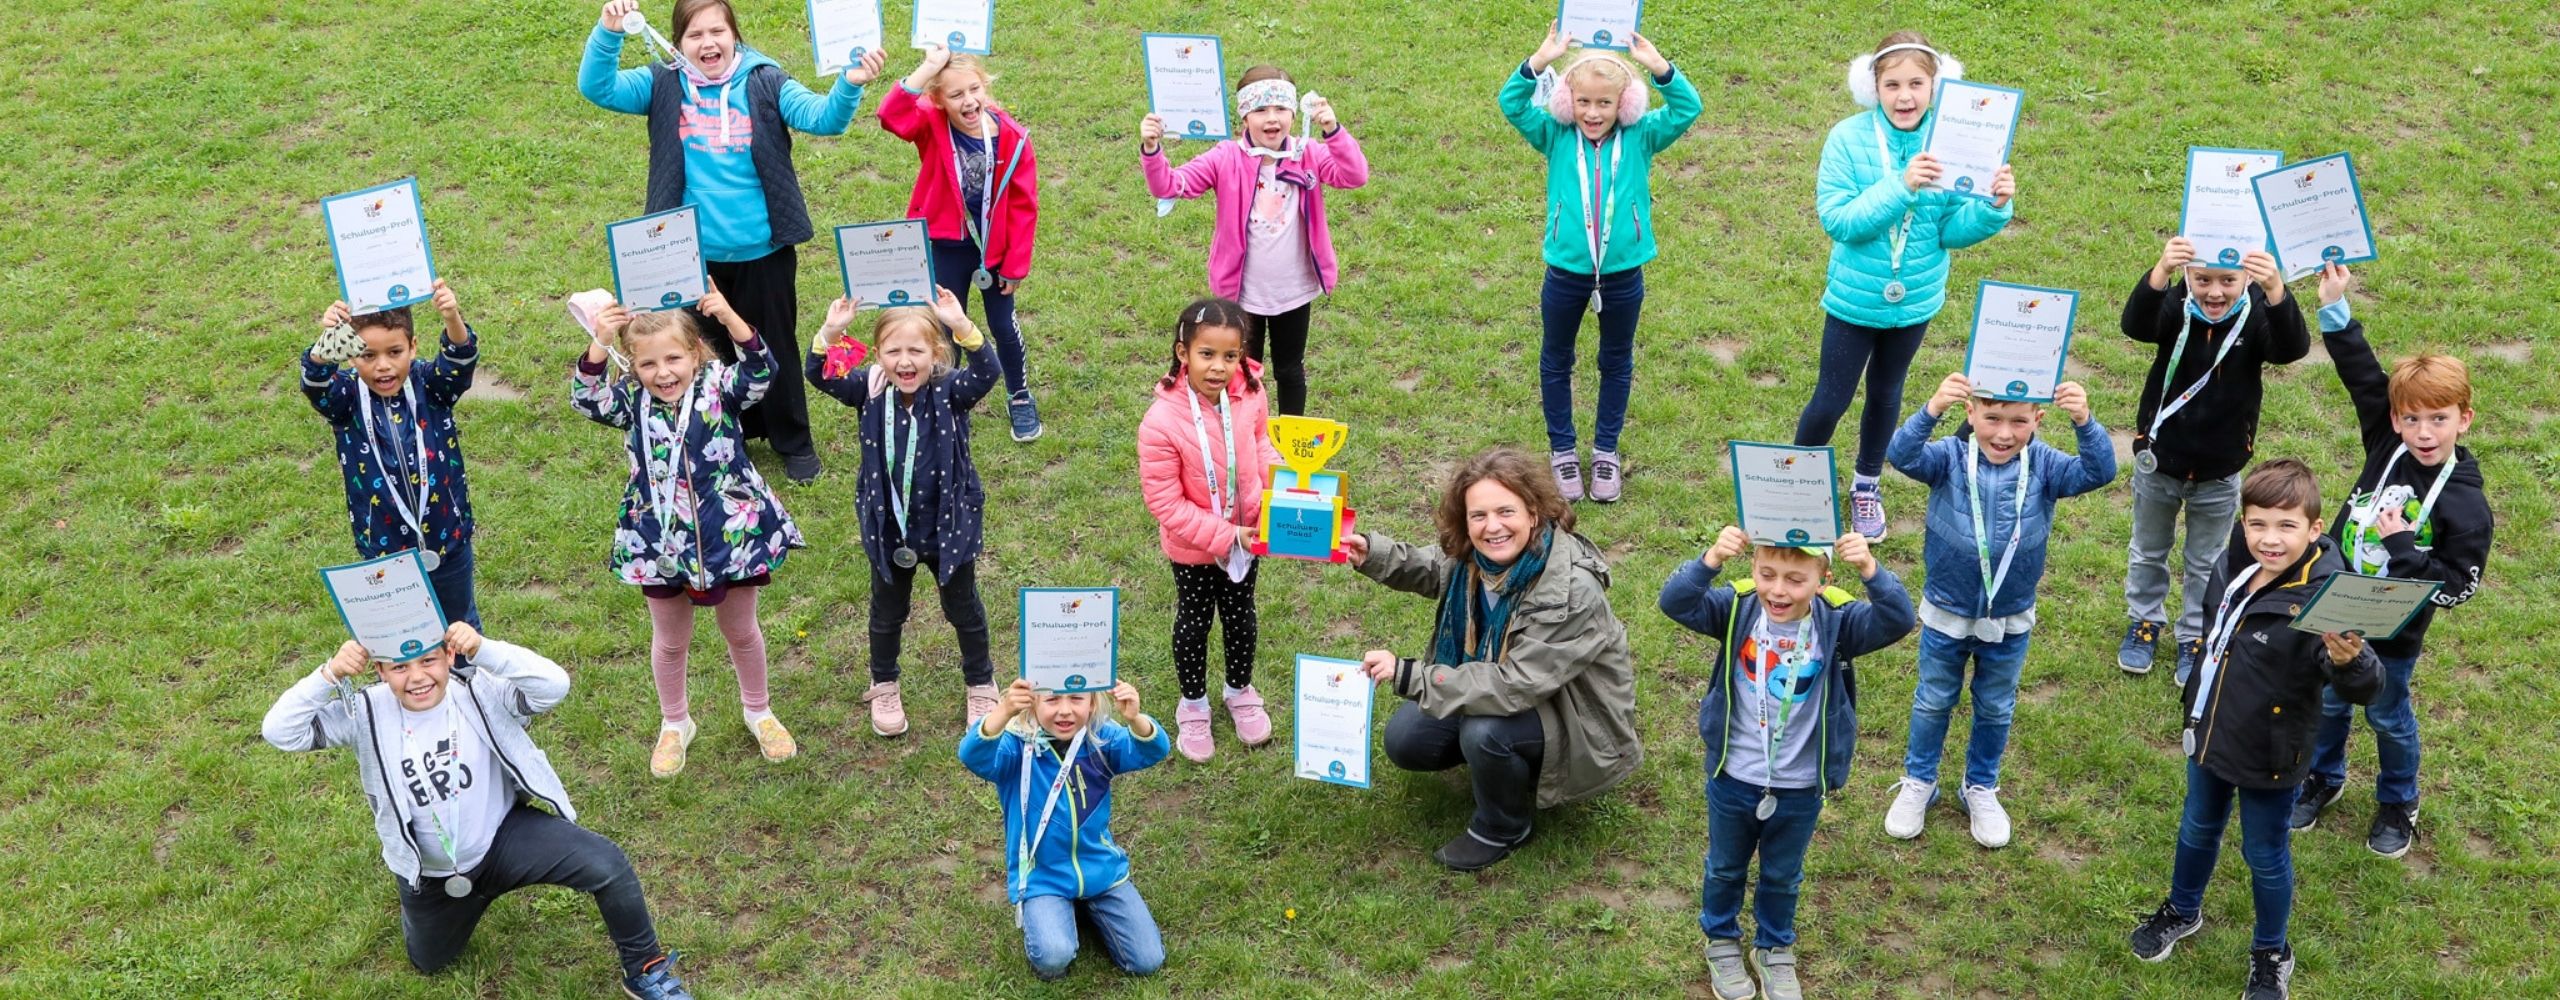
x=891, y=733
x=2394, y=855
x=2172, y=944
x=1034, y=436
x=2131, y=669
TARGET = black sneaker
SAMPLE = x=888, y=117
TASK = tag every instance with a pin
x=2314, y=798
x=2270, y=974
x=1467, y=852
x=803, y=468
x=2395, y=827
x=2161, y=930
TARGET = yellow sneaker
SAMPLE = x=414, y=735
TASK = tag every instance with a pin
x=668, y=758
x=775, y=740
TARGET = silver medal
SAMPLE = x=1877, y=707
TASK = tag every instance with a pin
x=1893, y=291
x=429, y=560
x=1595, y=301
x=2145, y=462
x=1768, y=806
x=904, y=557
x=2188, y=740
x=457, y=887
x=983, y=278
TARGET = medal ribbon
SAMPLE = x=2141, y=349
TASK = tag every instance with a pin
x=2226, y=622
x=2186, y=322
x=663, y=493
x=393, y=472
x=1219, y=502
x=453, y=739
x=2363, y=518
x=1598, y=218
x=1765, y=646
x=1033, y=835
x=2017, y=521
x=905, y=486
x=1901, y=238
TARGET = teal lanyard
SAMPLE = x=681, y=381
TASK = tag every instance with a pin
x=1765, y=648
x=2017, y=516
x=2186, y=323
x=907, y=474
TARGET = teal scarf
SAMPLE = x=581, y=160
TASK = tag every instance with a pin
x=1469, y=630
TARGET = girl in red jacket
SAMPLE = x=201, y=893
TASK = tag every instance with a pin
x=978, y=190
x=1204, y=458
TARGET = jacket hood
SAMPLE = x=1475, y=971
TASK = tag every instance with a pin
x=2299, y=581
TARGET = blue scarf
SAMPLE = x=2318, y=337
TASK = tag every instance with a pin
x=1469, y=630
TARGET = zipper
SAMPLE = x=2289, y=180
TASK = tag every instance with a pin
x=374, y=735
x=1075, y=829
x=1822, y=724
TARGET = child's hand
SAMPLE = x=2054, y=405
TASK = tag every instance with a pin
x=350, y=661
x=2073, y=398
x=840, y=315
x=2335, y=282
x=1355, y=547
x=1125, y=695
x=2260, y=266
x=2390, y=522
x=1642, y=51
x=1380, y=665
x=1852, y=549
x=1729, y=543
x=449, y=308
x=610, y=322
x=867, y=68
x=462, y=639
x=2004, y=186
x=2343, y=646
x=1151, y=133
x=1244, y=537
x=1549, y=50
x=715, y=307
x=2175, y=255
x=614, y=13
x=337, y=315
x=935, y=58
x=1322, y=114
x=338, y=340
x=1018, y=698
x=1005, y=285
x=947, y=311
x=1955, y=389
x=1923, y=171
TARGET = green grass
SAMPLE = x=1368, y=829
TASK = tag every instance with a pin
x=169, y=493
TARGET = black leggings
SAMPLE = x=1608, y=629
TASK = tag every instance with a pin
x=1287, y=334
x=890, y=604
x=1883, y=358
x=1202, y=593
x=766, y=293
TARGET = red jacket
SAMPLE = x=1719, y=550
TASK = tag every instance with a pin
x=936, y=200
x=1170, y=460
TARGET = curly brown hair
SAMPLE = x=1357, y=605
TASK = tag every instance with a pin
x=1514, y=470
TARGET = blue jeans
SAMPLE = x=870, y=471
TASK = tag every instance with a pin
x=1503, y=754
x=452, y=583
x=2265, y=840
x=2395, y=736
x=954, y=261
x=1562, y=302
x=1996, y=666
x=1129, y=932
x=1734, y=832
x=1846, y=350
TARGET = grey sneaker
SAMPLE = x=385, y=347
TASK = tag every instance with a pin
x=2161, y=930
x=2270, y=974
x=1608, y=477
x=1568, y=468
x=1866, y=511
x=1777, y=969
x=1725, y=973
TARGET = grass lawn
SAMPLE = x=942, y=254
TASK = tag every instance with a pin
x=168, y=494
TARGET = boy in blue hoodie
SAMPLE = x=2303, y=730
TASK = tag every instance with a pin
x=1991, y=497
x=1063, y=864
x=1780, y=721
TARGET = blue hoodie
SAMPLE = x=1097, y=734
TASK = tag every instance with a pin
x=1077, y=859
x=1849, y=628
x=1954, y=566
x=719, y=168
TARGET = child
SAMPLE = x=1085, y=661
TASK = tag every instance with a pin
x=918, y=496
x=2198, y=423
x=1204, y=482
x=2417, y=512
x=720, y=120
x=699, y=527
x=1063, y=865
x=1889, y=240
x=978, y=190
x=1271, y=249
x=398, y=446
x=1599, y=142
x=2248, y=722
x=1792, y=678
x=459, y=829
x=1991, y=497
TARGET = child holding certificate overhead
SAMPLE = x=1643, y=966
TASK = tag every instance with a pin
x=698, y=526
x=1599, y=142
x=2213, y=334
x=1991, y=497
x=978, y=190
x=1204, y=458
x=1890, y=234
x=918, y=497
x=1271, y=249
x=2418, y=512
x=399, y=450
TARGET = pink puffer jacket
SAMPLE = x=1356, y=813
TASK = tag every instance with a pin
x=1170, y=460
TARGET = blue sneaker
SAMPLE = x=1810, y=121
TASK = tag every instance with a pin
x=656, y=981
x=2140, y=646
x=1025, y=415
x=2190, y=652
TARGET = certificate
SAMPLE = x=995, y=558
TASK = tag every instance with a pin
x=841, y=32
x=2220, y=213
x=1187, y=85
x=1970, y=134
x=886, y=263
x=657, y=260
x=959, y=25
x=378, y=237
x=1071, y=638
x=1333, y=711
x=1786, y=495
x=387, y=605
x=1599, y=24
x=2021, y=333
x=2314, y=214
x=2376, y=607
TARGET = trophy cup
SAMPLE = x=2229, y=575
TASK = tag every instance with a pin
x=1303, y=516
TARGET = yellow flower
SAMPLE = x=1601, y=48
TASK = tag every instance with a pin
x=1289, y=914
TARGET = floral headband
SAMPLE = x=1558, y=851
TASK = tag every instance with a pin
x=1265, y=94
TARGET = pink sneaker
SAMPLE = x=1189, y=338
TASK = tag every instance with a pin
x=983, y=699
x=1253, y=725
x=1191, y=731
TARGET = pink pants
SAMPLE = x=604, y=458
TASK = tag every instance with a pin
x=671, y=637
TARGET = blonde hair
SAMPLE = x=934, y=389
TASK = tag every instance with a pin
x=1599, y=65
x=1100, y=709
x=961, y=62
x=920, y=320
x=672, y=321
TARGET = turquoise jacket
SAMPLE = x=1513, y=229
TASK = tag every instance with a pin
x=1077, y=857
x=1861, y=199
x=1568, y=246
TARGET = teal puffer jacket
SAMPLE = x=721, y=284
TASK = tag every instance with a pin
x=1860, y=198
x=1567, y=244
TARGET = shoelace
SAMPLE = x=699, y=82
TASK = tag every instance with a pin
x=1866, y=506
x=2266, y=970
x=2146, y=632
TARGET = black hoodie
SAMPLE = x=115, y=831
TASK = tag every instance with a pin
x=2215, y=433
x=2452, y=547
x=2264, y=709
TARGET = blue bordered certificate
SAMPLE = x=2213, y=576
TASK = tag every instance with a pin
x=388, y=606
x=1334, y=704
x=2021, y=335
x=1599, y=24
x=1071, y=638
x=841, y=32
x=886, y=263
x=1971, y=134
x=959, y=25
x=1785, y=495
x=2314, y=213
x=2376, y=607
x=2219, y=213
x=657, y=260
x=1187, y=85
x=378, y=240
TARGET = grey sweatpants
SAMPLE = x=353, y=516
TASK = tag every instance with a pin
x=2212, y=506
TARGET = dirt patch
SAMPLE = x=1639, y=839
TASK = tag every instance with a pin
x=1723, y=350
x=2060, y=854
x=490, y=386
x=1764, y=380
x=2042, y=693
x=1407, y=382
x=172, y=820
x=2514, y=352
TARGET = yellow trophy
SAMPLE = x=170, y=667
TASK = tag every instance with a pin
x=1303, y=516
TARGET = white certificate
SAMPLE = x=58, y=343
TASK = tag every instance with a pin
x=1333, y=711
x=2021, y=333
x=378, y=237
x=2220, y=214
x=886, y=263
x=388, y=606
x=841, y=32
x=958, y=25
x=1071, y=638
x=1786, y=495
x=1599, y=24
x=1187, y=85
x=657, y=260
x=2314, y=214
x=2376, y=607
x=1970, y=134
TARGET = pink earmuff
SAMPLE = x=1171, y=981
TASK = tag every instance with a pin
x=1631, y=102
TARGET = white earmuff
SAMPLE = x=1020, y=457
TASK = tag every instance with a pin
x=1862, y=75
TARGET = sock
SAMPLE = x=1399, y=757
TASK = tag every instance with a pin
x=1199, y=703
x=1230, y=693
x=1863, y=482
x=756, y=715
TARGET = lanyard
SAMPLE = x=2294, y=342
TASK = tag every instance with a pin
x=397, y=476
x=662, y=499
x=1597, y=218
x=453, y=744
x=2226, y=623
x=2363, y=517
x=986, y=194
x=1884, y=154
x=1218, y=502
x=907, y=483
x=1765, y=646
x=2017, y=516
x=2186, y=323
x=1033, y=835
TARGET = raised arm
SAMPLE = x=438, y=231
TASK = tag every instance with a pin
x=600, y=78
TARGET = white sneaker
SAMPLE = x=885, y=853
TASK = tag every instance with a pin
x=1990, y=822
x=1910, y=808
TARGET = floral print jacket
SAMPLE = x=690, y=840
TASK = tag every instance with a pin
x=695, y=513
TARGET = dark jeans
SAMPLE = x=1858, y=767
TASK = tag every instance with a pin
x=2395, y=735
x=452, y=583
x=765, y=292
x=1848, y=351
x=2265, y=840
x=954, y=261
x=1562, y=302
x=1735, y=832
x=1202, y=595
x=532, y=848
x=1502, y=754
x=1286, y=334
x=890, y=603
